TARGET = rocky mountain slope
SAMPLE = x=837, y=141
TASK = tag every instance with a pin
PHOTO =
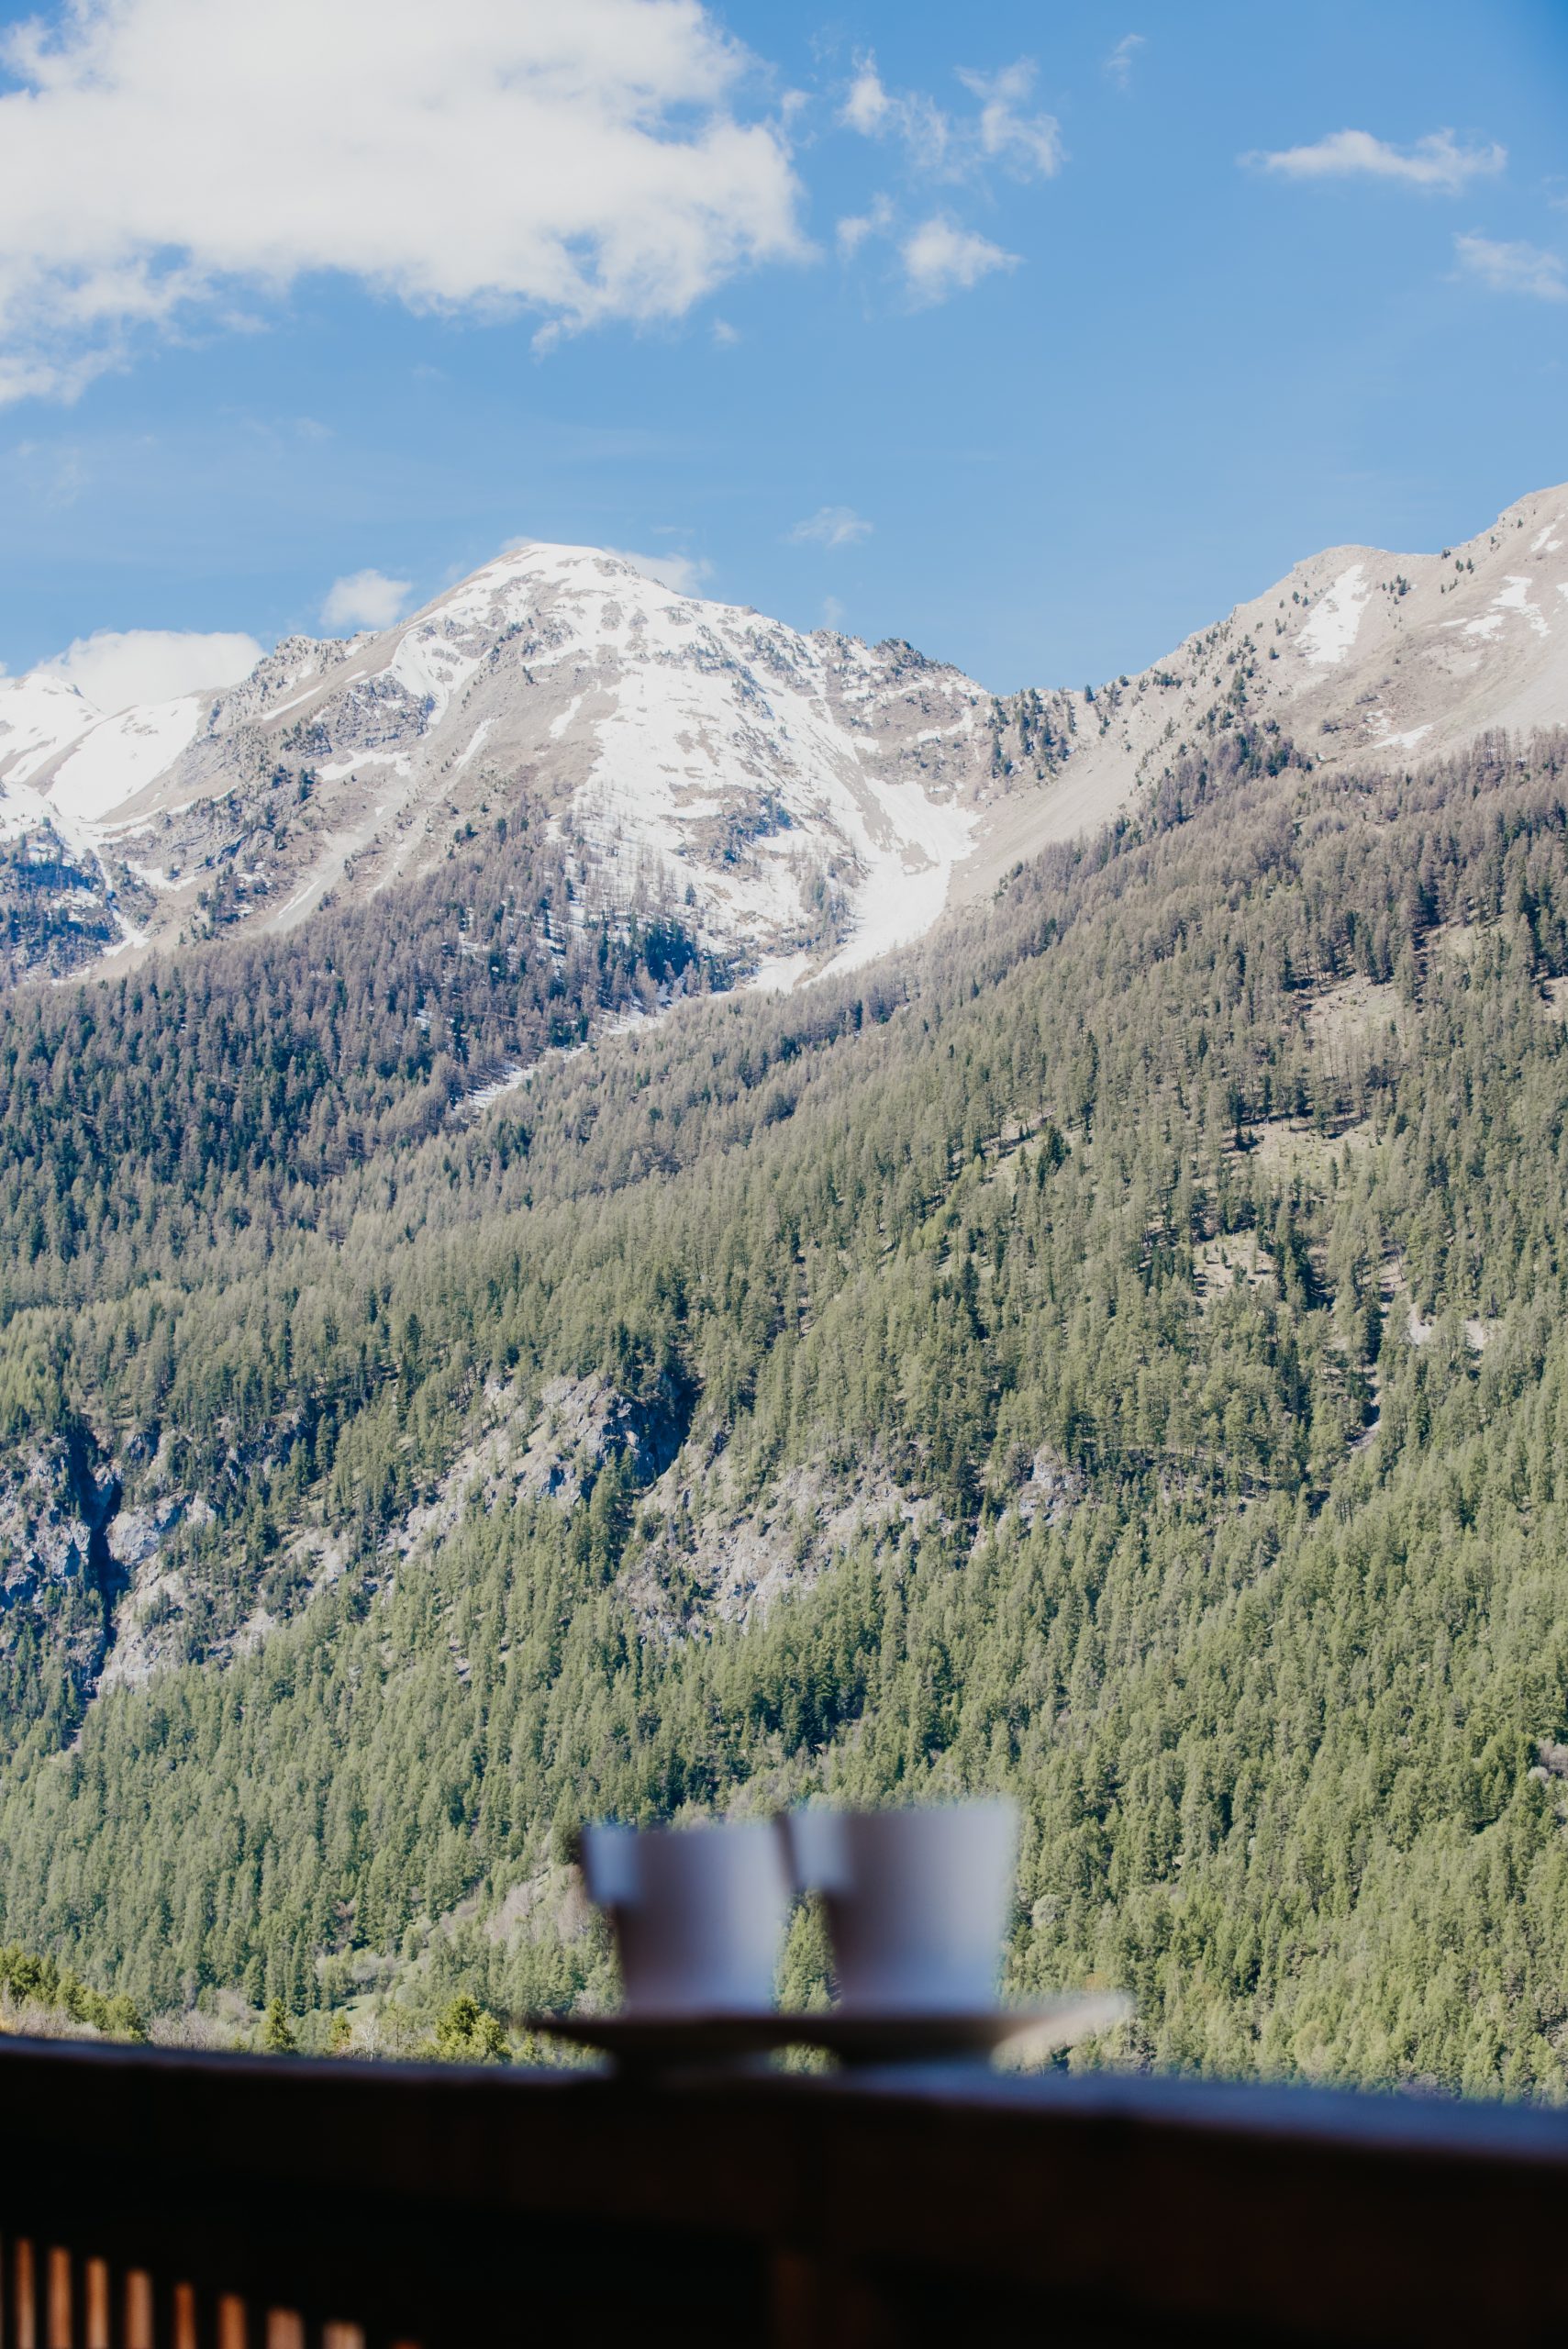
x=1357, y=654
x=806, y=801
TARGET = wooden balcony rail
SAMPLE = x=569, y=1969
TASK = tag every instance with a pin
x=156, y=2201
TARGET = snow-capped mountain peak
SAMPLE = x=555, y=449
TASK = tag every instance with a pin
x=803, y=800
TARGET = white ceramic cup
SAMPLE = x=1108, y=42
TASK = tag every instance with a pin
x=698, y=1914
x=917, y=1902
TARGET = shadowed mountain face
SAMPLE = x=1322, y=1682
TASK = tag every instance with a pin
x=803, y=802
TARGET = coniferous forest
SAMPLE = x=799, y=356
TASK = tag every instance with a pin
x=1116, y=1351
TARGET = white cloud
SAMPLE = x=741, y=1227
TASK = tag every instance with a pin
x=165, y=161
x=833, y=612
x=725, y=336
x=1437, y=164
x=1119, y=64
x=831, y=526
x=684, y=572
x=940, y=258
x=363, y=599
x=937, y=145
x=115, y=668
x=868, y=108
x=877, y=112
x=854, y=231
x=1514, y=268
x=1026, y=145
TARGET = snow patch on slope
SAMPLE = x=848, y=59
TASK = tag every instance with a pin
x=1328, y=636
x=471, y=746
x=39, y=717
x=907, y=874
x=1512, y=596
x=119, y=757
x=432, y=669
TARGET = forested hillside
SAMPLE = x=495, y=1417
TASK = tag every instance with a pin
x=147, y=1122
x=1118, y=1354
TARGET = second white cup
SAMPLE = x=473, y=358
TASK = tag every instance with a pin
x=917, y=1902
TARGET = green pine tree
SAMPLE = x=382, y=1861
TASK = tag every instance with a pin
x=277, y=2032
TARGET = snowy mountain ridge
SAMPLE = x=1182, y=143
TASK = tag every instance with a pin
x=803, y=797
x=806, y=801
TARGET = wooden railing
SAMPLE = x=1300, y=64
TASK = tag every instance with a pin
x=155, y=2200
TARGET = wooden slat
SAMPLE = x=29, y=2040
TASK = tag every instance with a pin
x=96, y=2304
x=24, y=2286
x=233, y=2322
x=140, y=2326
x=184, y=2328
x=56, y=2299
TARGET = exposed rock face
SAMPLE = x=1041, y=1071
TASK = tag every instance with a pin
x=1051, y=1490
x=56, y=1566
x=703, y=1548
x=53, y=1517
x=713, y=1555
x=147, y=1627
x=89, y=1570
x=54, y=915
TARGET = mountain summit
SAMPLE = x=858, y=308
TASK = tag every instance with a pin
x=806, y=802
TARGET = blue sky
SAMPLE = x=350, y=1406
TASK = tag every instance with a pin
x=286, y=297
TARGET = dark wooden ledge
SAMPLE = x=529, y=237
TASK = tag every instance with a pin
x=438, y=2206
